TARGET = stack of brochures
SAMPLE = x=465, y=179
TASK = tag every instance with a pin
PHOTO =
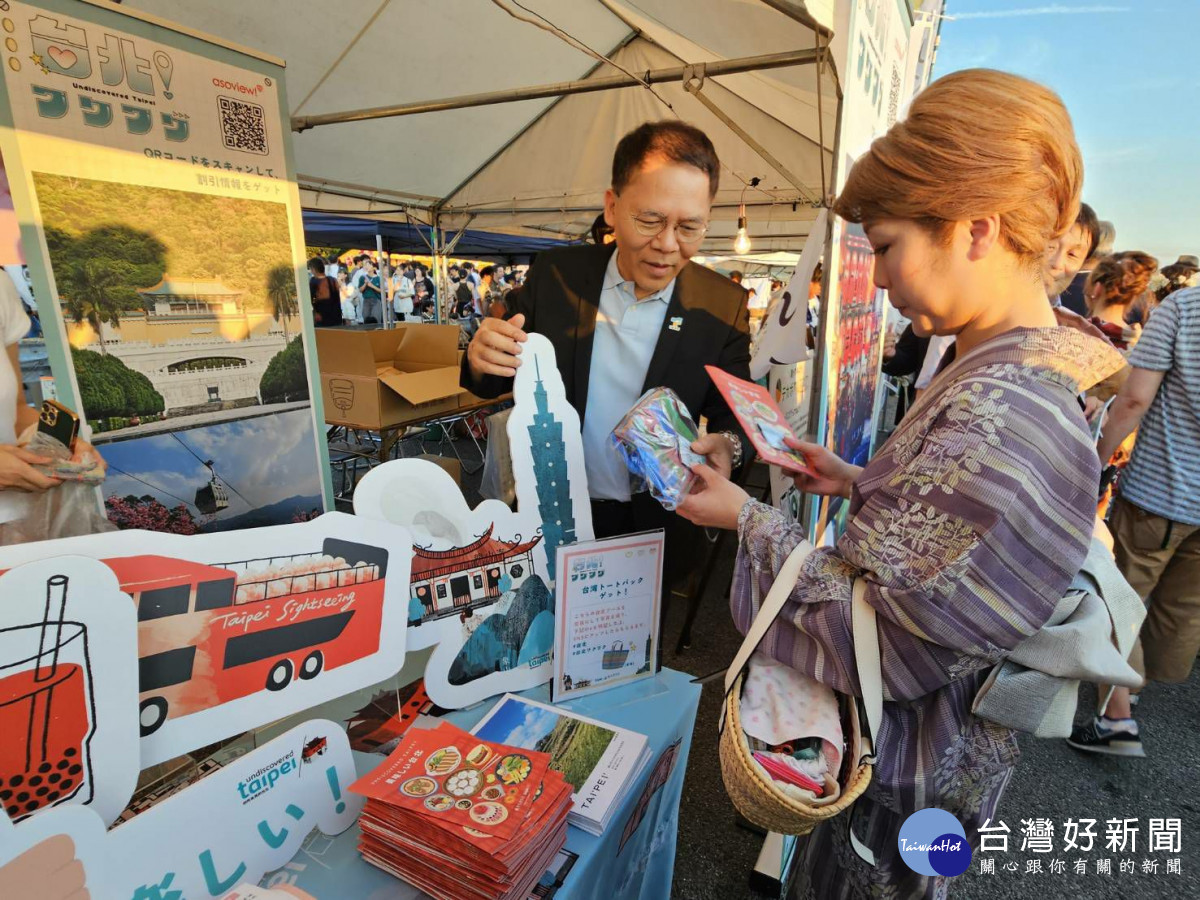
x=461, y=817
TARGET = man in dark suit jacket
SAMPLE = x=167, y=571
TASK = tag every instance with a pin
x=631, y=316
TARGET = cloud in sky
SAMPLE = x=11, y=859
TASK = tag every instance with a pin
x=1055, y=9
x=268, y=459
x=518, y=724
x=1119, y=154
x=537, y=724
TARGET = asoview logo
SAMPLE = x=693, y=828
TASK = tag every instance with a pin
x=932, y=842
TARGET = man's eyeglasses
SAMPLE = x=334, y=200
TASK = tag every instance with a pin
x=685, y=232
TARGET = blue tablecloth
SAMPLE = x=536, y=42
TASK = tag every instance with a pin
x=634, y=858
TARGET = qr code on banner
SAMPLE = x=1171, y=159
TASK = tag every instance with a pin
x=243, y=125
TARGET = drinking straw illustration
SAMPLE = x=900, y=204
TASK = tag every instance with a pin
x=51, y=633
x=56, y=602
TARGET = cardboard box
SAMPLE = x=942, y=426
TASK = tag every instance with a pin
x=375, y=379
x=449, y=463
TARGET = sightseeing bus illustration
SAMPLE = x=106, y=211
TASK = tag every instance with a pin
x=208, y=634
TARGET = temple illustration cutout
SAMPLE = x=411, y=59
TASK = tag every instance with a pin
x=445, y=582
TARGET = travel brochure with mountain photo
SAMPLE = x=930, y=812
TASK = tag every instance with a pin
x=600, y=761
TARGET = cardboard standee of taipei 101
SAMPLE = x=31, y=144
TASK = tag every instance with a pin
x=482, y=583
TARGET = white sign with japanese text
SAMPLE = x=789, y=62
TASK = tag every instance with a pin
x=606, y=613
x=232, y=826
x=121, y=107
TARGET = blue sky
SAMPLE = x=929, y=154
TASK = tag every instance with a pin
x=267, y=458
x=519, y=725
x=1127, y=73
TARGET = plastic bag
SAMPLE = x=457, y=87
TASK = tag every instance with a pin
x=63, y=468
x=71, y=509
x=654, y=439
x=497, y=482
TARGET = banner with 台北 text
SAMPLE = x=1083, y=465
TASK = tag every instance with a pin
x=151, y=174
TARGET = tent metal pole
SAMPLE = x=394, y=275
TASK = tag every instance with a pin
x=316, y=183
x=385, y=295
x=563, y=88
x=436, y=248
x=458, y=237
x=797, y=12
x=541, y=115
x=820, y=361
x=695, y=88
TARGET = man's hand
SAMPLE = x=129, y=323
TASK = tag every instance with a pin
x=17, y=472
x=496, y=347
x=718, y=451
x=51, y=866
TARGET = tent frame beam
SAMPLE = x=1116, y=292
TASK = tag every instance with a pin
x=693, y=83
x=563, y=88
x=625, y=41
x=510, y=210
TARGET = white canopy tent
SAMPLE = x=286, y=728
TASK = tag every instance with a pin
x=777, y=264
x=540, y=166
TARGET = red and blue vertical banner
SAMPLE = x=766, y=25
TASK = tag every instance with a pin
x=151, y=174
x=871, y=53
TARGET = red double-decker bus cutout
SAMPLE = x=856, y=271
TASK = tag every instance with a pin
x=208, y=634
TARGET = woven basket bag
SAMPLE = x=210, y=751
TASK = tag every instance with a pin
x=753, y=792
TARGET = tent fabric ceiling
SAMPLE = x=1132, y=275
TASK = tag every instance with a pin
x=513, y=158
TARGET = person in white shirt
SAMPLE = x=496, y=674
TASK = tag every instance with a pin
x=18, y=477
x=403, y=291
x=351, y=300
x=359, y=273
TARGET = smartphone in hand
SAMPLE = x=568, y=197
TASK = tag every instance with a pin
x=58, y=422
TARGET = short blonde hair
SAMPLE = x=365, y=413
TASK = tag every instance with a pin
x=975, y=143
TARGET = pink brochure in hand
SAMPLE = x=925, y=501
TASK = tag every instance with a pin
x=762, y=419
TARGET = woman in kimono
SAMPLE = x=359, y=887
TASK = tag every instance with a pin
x=971, y=521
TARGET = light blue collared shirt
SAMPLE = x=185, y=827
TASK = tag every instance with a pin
x=627, y=331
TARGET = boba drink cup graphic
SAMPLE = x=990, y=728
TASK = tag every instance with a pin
x=47, y=713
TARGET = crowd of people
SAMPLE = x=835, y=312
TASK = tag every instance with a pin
x=356, y=294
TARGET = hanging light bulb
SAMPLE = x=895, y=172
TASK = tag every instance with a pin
x=741, y=242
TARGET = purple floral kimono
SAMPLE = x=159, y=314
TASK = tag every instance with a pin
x=968, y=525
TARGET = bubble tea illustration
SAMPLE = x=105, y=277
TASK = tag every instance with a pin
x=47, y=716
